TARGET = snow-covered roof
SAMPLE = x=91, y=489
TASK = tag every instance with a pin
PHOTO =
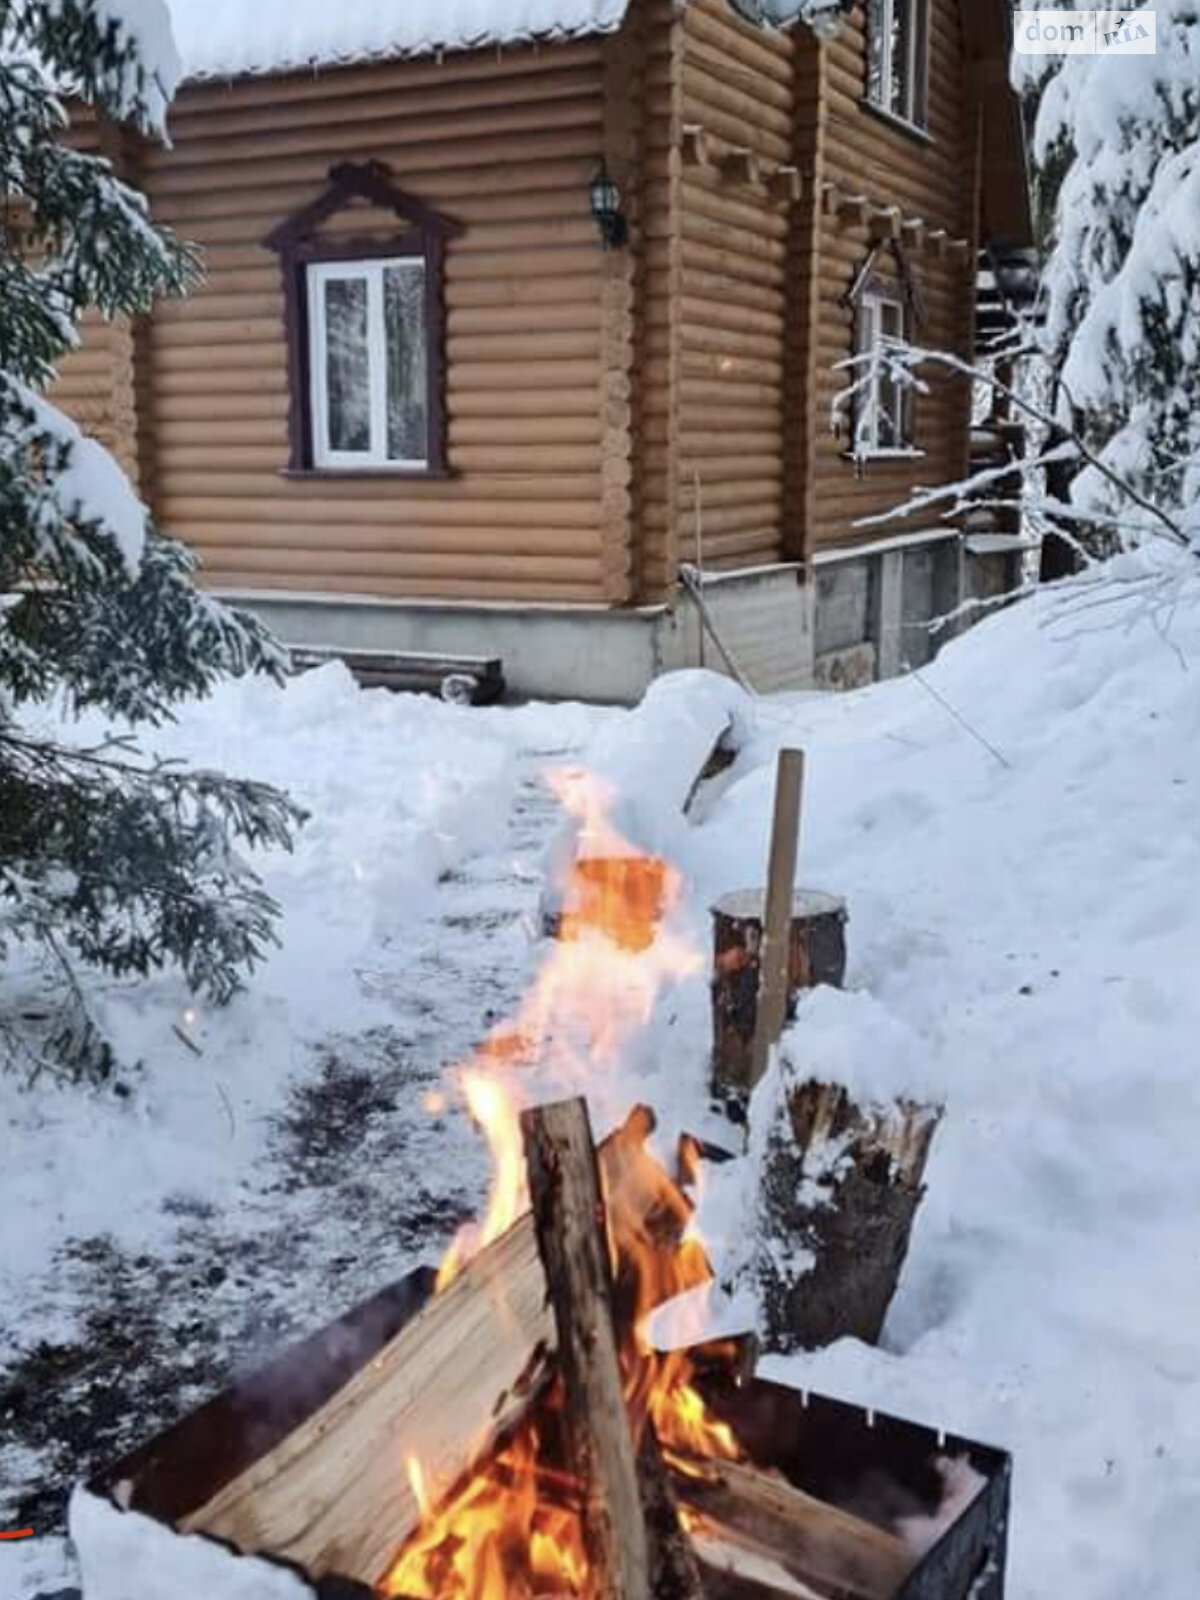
x=237, y=38
x=234, y=38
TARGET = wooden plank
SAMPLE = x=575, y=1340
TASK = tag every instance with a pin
x=811, y=1541
x=334, y=1497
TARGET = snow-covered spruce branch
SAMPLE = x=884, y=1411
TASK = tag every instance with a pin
x=106, y=860
x=133, y=867
x=907, y=365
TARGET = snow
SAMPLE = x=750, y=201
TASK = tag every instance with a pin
x=227, y=38
x=148, y=23
x=1020, y=936
x=1017, y=834
x=92, y=487
x=131, y=1557
x=647, y=764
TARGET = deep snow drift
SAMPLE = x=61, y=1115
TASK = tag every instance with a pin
x=1024, y=937
x=1024, y=925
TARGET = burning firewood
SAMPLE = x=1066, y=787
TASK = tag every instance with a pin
x=335, y=1495
x=813, y=1542
x=565, y=1192
x=553, y=1450
x=332, y=1496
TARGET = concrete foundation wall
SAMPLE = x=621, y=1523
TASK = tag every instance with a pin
x=875, y=606
x=865, y=616
x=764, y=620
x=548, y=652
x=574, y=652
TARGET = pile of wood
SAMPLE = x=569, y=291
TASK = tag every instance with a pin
x=536, y=1326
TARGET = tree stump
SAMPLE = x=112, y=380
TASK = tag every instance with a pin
x=840, y=1190
x=817, y=955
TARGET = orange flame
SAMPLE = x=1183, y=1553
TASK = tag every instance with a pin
x=514, y=1531
x=595, y=991
x=504, y=1536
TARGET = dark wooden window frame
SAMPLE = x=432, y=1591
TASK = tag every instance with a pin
x=298, y=245
x=901, y=287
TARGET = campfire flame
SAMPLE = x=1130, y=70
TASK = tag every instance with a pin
x=513, y=1532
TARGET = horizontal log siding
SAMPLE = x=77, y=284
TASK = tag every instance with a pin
x=504, y=145
x=936, y=180
x=738, y=87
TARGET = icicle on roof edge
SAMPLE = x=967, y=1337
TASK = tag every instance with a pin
x=227, y=39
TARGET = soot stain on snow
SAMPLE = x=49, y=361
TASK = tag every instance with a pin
x=142, y=1355
x=360, y=1182
x=326, y=1119
x=358, y=1132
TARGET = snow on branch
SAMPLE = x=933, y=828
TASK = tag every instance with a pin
x=78, y=481
x=904, y=364
x=119, y=53
x=1123, y=276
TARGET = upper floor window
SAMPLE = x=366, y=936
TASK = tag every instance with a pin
x=898, y=58
x=364, y=323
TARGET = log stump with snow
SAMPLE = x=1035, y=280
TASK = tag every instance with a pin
x=840, y=1188
x=816, y=955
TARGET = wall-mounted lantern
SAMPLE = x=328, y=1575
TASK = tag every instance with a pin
x=605, y=196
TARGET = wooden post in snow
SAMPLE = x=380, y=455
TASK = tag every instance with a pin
x=781, y=888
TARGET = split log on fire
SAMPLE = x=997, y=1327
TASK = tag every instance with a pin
x=841, y=1185
x=816, y=956
x=336, y=1496
x=736, y=1568
x=635, y=1546
x=746, y=1511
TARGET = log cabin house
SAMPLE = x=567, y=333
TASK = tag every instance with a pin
x=521, y=321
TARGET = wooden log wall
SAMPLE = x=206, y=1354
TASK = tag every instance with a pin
x=802, y=417
x=738, y=92
x=590, y=394
x=934, y=179
x=505, y=143
x=657, y=352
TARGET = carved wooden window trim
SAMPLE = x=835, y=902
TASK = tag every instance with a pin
x=299, y=246
x=870, y=295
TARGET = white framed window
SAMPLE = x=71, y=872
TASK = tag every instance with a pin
x=898, y=58
x=882, y=419
x=368, y=364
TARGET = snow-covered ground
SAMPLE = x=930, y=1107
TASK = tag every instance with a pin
x=1017, y=832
